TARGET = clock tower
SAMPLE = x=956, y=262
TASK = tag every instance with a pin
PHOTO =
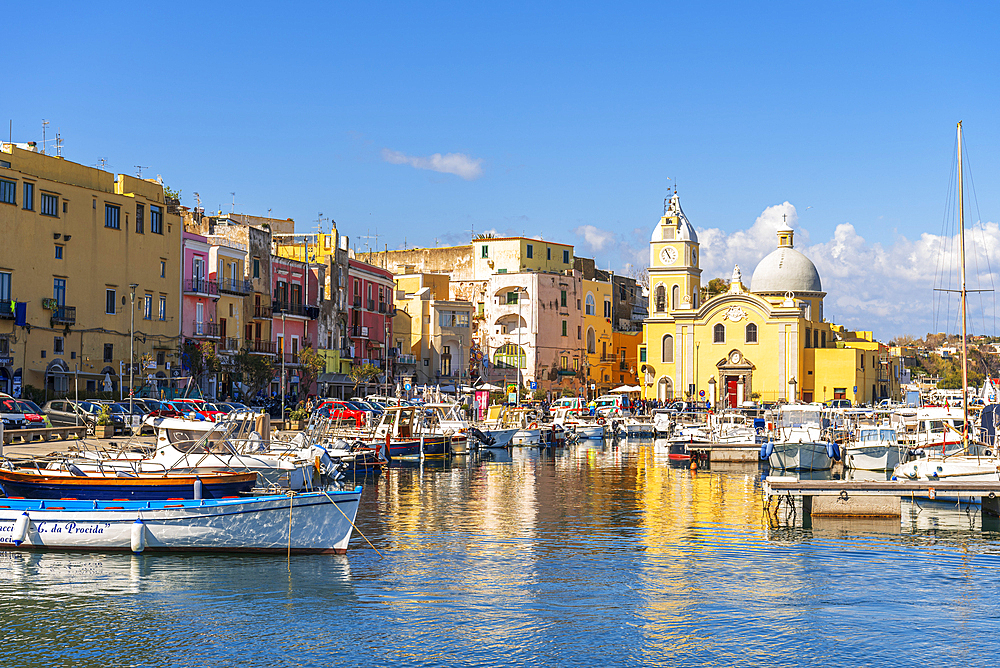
x=674, y=273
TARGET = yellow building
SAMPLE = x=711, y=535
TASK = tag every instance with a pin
x=768, y=342
x=80, y=242
x=433, y=333
x=600, y=352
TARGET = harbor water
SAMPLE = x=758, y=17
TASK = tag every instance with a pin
x=599, y=554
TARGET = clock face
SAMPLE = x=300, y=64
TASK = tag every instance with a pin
x=694, y=256
x=668, y=255
x=735, y=358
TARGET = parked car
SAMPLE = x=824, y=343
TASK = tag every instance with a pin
x=66, y=413
x=344, y=411
x=34, y=416
x=11, y=414
x=122, y=408
x=838, y=403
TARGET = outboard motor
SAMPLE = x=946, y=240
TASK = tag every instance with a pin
x=480, y=436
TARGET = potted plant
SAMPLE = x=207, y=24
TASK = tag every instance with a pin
x=104, y=428
x=297, y=419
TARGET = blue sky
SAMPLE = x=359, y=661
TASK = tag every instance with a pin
x=548, y=118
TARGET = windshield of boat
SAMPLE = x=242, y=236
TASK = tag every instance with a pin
x=791, y=418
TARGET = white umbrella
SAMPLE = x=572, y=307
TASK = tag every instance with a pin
x=623, y=388
x=488, y=387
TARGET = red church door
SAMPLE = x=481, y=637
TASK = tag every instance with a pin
x=731, y=388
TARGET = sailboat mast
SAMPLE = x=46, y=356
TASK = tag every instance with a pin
x=965, y=350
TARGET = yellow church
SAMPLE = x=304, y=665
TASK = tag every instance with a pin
x=764, y=342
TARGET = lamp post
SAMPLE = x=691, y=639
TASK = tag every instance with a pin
x=131, y=353
x=282, y=352
x=520, y=379
x=711, y=389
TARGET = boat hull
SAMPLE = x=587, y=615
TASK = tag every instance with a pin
x=804, y=456
x=314, y=522
x=871, y=457
x=527, y=437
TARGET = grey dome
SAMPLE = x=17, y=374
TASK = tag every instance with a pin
x=785, y=270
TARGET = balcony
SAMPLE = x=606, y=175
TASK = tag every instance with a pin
x=200, y=286
x=262, y=312
x=359, y=332
x=357, y=302
x=292, y=308
x=235, y=286
x=406, y=359
x=207, y=330
x=608, y=358
x=371, y=304
x=64, y=315
x=623, y=366
x=6, y=310
x=229, y=344
x=381, y=307
x=290, y=358
x=260, y=347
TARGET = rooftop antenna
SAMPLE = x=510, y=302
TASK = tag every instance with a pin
x=104, y=163
x=197, y=198
x=138, y=170
x=45, y=126
x=233, y=209
x=58, y=144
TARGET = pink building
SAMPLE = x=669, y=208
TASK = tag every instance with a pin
x=370, y=299
x=200, y=293
x=295, y=300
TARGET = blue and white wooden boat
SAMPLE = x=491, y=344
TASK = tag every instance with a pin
x=313, y=522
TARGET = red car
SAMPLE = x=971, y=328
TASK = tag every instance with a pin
x=342, y=411
x=199, y=406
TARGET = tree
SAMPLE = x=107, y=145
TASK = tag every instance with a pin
x=313, y=364
x=715, y=287
x=201, y=360
x=254, y=371
x=365, y=374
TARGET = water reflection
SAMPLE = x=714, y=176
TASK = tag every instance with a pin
x=598, y=553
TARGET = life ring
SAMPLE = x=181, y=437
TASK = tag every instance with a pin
x=533, y=425
x=600, y=420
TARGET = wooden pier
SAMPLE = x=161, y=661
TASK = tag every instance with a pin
x=862, y=498
x=721, y=452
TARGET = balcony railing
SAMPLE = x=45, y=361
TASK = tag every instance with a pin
x=359, y=332
x=623, y=366
x=609, y=358
x=357, y=302
x=262, y=312
x=292, y=308
x=6, y=310
x=64, y=315
x=206, y=329
x=235, y=286
x=260, y=346
x=201, y=286
x=371, y=304
x=381, y=307
x=229, y=344
x=406, y=358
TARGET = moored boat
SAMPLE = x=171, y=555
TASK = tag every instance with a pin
x=313, y=522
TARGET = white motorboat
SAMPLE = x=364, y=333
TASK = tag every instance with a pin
x=314, y=522
x=798, y=444
x=873, y=449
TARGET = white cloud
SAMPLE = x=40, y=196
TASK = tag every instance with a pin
x=458, y=164
x=595, y=237
x=888, y=288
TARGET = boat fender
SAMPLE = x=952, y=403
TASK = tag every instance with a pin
x=833, y=451
x=199, y=488
x=21, y=528
x=138, y=536
x=766, y=450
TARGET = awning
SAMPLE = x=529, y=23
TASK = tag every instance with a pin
x=335, y=379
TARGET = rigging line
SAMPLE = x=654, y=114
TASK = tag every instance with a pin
x=979, y=221
x=938, y=315
x=986, y=248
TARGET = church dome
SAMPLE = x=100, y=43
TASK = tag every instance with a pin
x=785, y=269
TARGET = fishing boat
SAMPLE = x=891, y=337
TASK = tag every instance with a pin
x=313, y=522
x=971, y=466
x=499, y=427
x=404, y=433
x=73, y=483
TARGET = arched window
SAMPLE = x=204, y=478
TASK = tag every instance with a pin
x=751, y=333
x=694, y=299
x=675, y=297
x=509, y=356
x=719, y=333
x=665, y=389
x=661, y=298
x=667, y=354
x=591, y=305
x=591, y=341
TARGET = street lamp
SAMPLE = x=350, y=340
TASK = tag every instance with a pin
x=283, y=367
x=131, y=353
x=520, y=351
x=711, y=389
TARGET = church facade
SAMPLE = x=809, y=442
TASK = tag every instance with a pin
x=765, y=342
